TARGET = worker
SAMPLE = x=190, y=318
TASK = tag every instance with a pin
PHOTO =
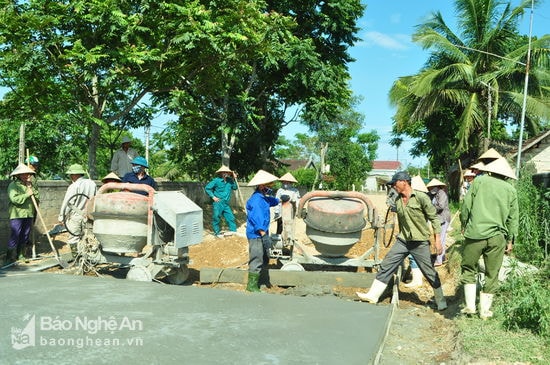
x=138, y=175
x=440, y=200
x=287, y=193
x=413, y=210
x=257, y=226
x=490, y=218
x=21, y=211
x=111, y=177
x=219, y=190
x=122, y=159
x=73, y=209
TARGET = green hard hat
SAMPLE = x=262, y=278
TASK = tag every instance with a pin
x=75, y=169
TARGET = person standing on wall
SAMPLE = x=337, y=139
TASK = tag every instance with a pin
x=440, y=200
x=121, y=163
x=413, y=210
x=21, y=211
x=73, y=209
x=258, y=220
x=490, y=218
x=219, y=190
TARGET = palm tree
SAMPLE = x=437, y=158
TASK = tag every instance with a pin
x=445, y=104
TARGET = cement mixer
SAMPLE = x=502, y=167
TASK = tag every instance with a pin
x=335, y=221
x=150, y=234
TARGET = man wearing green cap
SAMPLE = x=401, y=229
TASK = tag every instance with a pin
x=73, y=208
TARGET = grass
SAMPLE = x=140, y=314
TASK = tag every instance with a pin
x=490, y=340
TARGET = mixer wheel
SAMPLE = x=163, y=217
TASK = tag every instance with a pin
x=178, y=276
x=139, y=273
x=292, y=266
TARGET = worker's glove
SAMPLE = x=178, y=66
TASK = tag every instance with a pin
x=266, y=241
x=285, y=198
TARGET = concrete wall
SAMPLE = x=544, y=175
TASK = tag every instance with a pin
x=52, y=193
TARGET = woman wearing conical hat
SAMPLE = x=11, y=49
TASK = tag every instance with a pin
x=21, y=210
x=440, y=201
x=257, y=225
x=287, y=193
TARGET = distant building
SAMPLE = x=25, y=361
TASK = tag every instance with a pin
x=535, y=150
x=381, y=173
x=293, y=165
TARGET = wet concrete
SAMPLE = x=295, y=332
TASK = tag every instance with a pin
x=63, y=319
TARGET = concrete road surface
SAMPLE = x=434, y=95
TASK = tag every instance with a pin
x=64, y=319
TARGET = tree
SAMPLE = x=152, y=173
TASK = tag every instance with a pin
x=295, y=54
x=444, y=105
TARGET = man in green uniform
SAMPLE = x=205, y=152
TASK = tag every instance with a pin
x=413, y=208
x=489, y=217
x=219, y=189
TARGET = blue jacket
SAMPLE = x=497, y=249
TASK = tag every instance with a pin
x=133, y=179
x=258, y=217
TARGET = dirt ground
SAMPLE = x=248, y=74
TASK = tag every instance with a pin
x=418, y=334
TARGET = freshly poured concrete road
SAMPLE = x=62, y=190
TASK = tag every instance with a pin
x=88, y=320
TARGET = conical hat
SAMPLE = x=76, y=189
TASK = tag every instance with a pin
x=501, y=167
x=434, y=182
x=261, y=178
x=418, y=184
x=111, y=176
x=477, y=166
x=490, y=154
x=288, y=177
x=469, y=172
x=22, y=169
x=223, y=169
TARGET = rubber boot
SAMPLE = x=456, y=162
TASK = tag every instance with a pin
x=470, y=299
x=374, y=293
x=416, y=278
x=20, y=256
x=252, y=285
x=440, y=299
x=485, y=303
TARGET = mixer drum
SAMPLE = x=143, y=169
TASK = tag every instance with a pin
x=120, y=221
x=334, y=225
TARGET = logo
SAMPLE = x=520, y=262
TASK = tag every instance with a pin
x=24, y=337
x=78, y=332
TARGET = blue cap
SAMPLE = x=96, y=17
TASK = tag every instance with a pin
x=140, y=161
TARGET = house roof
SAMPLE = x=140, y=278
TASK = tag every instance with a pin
x=530, y=143
x=386, y=165
x=297, y=164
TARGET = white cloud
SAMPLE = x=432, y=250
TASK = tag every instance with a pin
x=395, y=42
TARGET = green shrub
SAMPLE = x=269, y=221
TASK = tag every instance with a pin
x=534, y=231
x=525, y=303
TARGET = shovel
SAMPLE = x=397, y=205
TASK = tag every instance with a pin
x=62, y=262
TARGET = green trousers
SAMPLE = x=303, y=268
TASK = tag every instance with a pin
x=492, y=251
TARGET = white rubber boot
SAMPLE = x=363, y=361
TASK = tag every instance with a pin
x=485, y=303
x=470, y=299
x=416, y=279
x=375, y=291
x=440, y=299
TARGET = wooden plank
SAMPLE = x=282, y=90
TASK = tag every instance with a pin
x=290, y=278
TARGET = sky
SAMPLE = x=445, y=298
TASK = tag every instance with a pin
x=386, y=53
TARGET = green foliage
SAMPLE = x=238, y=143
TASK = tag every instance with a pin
x=525, y=303
x=305, y=177
x=534, y=209
x=445, y=105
